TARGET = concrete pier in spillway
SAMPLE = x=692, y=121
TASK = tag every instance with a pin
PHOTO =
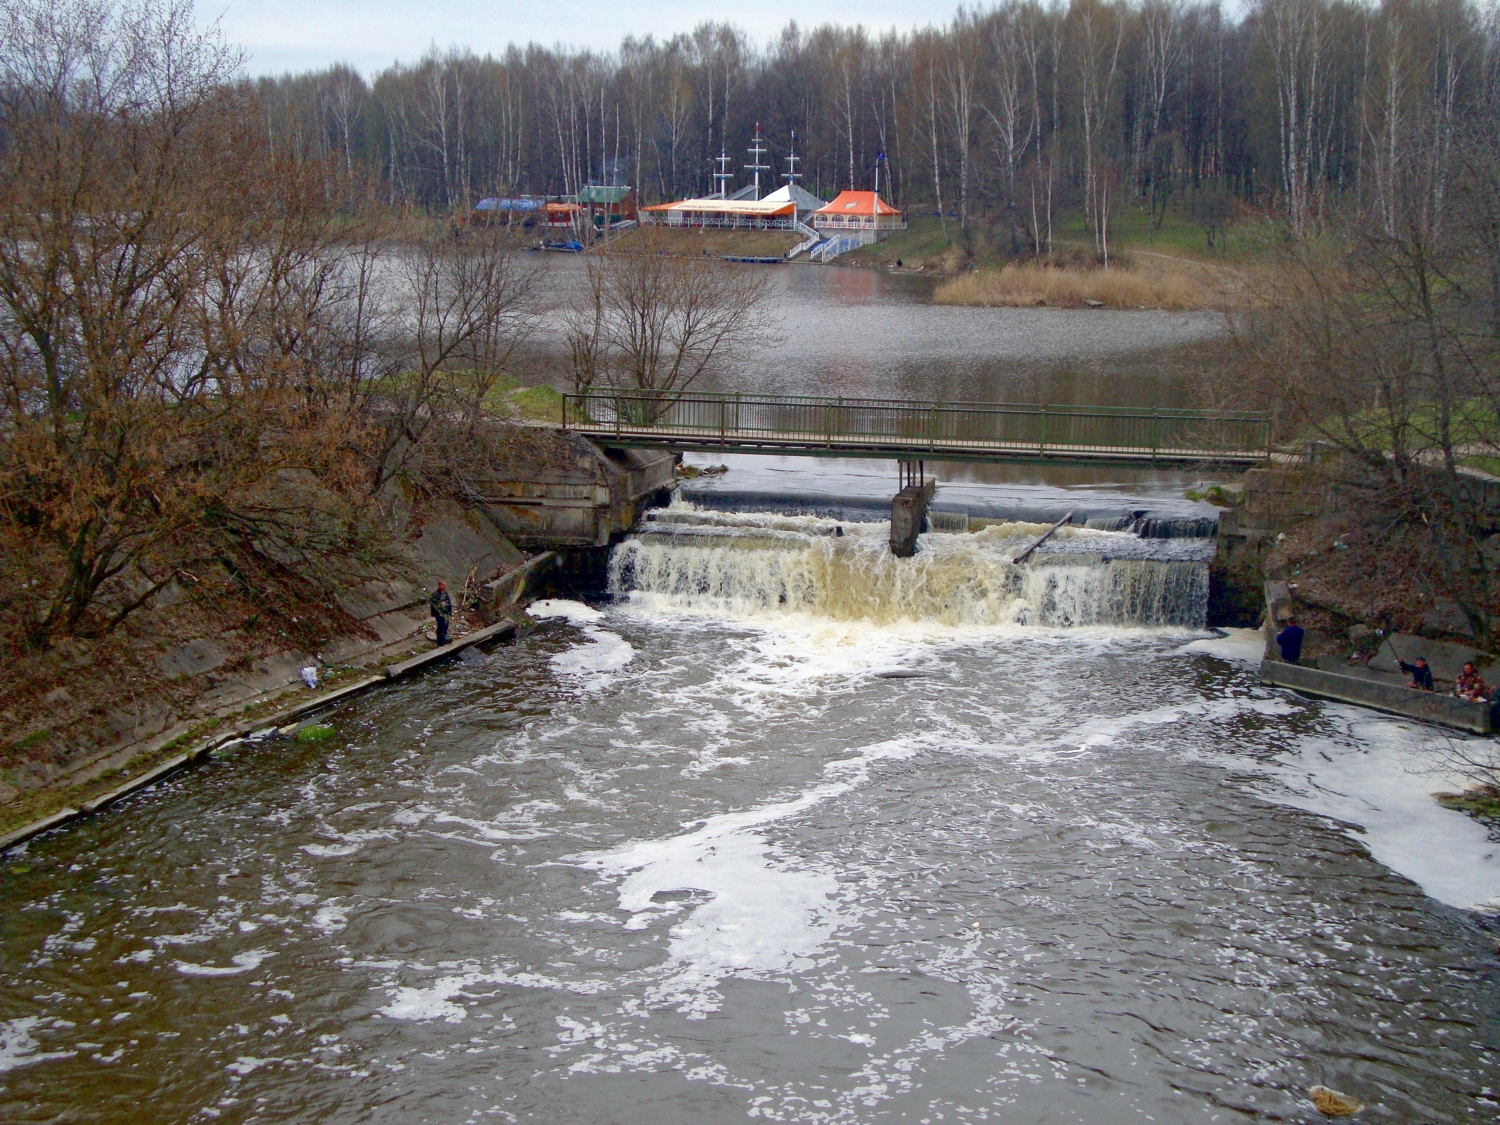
x=909, y=517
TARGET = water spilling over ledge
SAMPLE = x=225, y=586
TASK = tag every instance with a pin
x=757, y=564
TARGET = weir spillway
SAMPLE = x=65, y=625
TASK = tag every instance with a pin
x=755, y=564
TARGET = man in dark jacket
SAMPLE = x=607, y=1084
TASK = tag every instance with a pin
x=442, y=609
x=1290, y=640
x=1420, y=673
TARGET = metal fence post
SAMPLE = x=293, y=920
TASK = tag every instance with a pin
x=1042, y=448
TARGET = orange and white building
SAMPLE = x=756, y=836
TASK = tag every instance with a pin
x=860, y=214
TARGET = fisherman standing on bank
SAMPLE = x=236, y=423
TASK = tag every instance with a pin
x=442, y=610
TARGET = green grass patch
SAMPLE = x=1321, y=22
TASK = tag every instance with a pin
x=1481, y=804
x=922, y=243
x=1489, y=465
x=1470, y=422
x=32, y=740
x=537, y=404
x=926, y=244
x=1214, y=495
x=317, y=732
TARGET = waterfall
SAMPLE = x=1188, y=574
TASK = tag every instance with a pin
x=759, y=564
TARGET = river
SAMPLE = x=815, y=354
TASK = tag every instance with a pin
x=868, y=333
x=784, y=829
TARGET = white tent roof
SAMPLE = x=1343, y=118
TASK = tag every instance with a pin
x=766, y=208
x=795, y=193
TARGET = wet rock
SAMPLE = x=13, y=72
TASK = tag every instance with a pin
x=378, y=596
x=1491, y=550
x=138, y=722
x=1446, y=618
x=169, y=595
x=1331, y=1103
x=71, y=653
x=192, y=659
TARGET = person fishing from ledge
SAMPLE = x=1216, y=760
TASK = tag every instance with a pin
x=1290, y=641
x=1470, y=684
x=442, y=610
x=1420, y=673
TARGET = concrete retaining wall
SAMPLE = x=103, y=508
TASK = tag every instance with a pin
x=201, y=752
x=580, y=500
x=1397, y=699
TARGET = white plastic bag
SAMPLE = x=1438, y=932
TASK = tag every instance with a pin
x=310, y=675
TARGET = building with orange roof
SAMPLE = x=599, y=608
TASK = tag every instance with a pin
x=857, y=214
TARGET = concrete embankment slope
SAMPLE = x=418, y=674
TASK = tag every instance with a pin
x=522, y=583
x=185, y=669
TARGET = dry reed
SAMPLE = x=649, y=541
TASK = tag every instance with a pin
x=1073, y=287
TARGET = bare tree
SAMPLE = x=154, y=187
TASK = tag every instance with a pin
x=1007, y=111
x=1295, y=34
x=158, y=350
x=960, y=81
x=1162, y=43
x=1100, y=33
x=652, y=325
x=463, y=306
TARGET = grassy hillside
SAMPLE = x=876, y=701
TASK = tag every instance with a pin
x=925, y=245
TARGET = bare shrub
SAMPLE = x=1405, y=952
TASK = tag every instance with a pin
x=652, y=324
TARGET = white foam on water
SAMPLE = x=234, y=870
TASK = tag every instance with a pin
x=239, y=963
x=1242, y=646
x=247, y=1064
x=1379, y=774
x=331, y=918
x=431, y=1003
x=19, y=1048
x=765, y=914
x=787, y=658
x=436, y=1000
x=575, y=612
x=603, y=652
x=331, y=849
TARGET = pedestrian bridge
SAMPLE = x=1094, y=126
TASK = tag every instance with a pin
x=913, y=431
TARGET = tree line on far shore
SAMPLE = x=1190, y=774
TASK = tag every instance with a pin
x=1014, y=111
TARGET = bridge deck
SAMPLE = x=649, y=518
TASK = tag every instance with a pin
x=920, y=430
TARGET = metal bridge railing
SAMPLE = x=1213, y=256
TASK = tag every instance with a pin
x=920, y=427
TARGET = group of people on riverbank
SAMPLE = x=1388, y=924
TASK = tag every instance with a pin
x=1469, y=685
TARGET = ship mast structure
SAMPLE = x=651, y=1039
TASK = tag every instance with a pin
x=791, y=175
x=723, y=175
x=757, y=152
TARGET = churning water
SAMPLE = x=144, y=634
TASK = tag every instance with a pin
x=785, y=831
x=759, y=564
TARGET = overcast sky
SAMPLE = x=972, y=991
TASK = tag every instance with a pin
x=297, y=34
